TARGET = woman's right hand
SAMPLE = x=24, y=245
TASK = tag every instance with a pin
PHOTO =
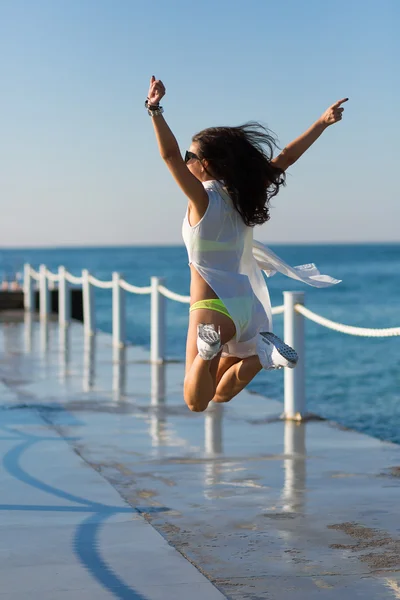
x=156, y=91
x=333, y=114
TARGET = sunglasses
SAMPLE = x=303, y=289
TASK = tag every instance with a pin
x=189, y=156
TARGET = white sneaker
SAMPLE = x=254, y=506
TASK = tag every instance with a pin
x=208, y=341
x=274, y=353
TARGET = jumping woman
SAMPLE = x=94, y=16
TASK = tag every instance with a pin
x=229, y=176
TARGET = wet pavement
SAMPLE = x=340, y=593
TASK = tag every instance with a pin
x=262, y=508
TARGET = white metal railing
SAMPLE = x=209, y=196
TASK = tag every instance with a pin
x=293, y=310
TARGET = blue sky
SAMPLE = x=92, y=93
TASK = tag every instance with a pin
x=79, y=163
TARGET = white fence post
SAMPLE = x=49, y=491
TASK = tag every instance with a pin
x=213, y=429
x=118, y=312
x=157, y=341
x=64, y=298
x=88, y=304
x=44, y=293
x=29, y=289
x=295, y=405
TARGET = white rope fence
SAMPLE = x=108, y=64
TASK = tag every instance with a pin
x=52, y=276
x=293, y=310
x=72, y=279
x=133, y=289
x=360, y=331
x=35, y=275
x=173, y=296
x=105, y=285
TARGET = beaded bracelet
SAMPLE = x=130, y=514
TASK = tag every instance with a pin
x=154, y=110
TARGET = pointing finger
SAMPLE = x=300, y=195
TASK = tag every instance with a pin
x=339, y=102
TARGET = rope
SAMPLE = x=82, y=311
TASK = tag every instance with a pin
x=35, y=275
x=105, y=285
x=360, y=331
x=278, y=310
x=133, y=288
x=172, y=296
x=52, y=276
x=73, y=279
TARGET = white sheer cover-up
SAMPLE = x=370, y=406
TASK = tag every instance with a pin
x=222, y=249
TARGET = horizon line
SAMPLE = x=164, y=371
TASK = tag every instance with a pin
x=181, y=245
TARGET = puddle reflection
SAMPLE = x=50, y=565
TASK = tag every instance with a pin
x=64, y=351
x=292, y=494
x=28, y=332
x=294, y=466
x=44, y=335
x=89, y=355
x=163, y=434
x=119, y=373
x=213, y=429
x=213, y=446
x=158, y=384
x=158, y=421
x=8, y=335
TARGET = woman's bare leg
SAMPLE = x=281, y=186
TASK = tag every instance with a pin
x=201, y=375
x=233, y=376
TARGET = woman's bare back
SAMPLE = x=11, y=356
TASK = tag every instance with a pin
x=199, y=288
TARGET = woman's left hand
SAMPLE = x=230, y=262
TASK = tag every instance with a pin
x=333, y=114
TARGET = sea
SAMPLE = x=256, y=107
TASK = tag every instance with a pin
x=354, y=381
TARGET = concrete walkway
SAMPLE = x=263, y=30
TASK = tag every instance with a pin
x=100, y=457
x=65, y=532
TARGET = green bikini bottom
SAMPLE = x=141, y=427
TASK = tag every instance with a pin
x=213, y=304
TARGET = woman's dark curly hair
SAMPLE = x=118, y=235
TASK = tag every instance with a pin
x=240, y=157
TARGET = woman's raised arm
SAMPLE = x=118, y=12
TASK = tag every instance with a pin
x=292, y=152
x=169, y=149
